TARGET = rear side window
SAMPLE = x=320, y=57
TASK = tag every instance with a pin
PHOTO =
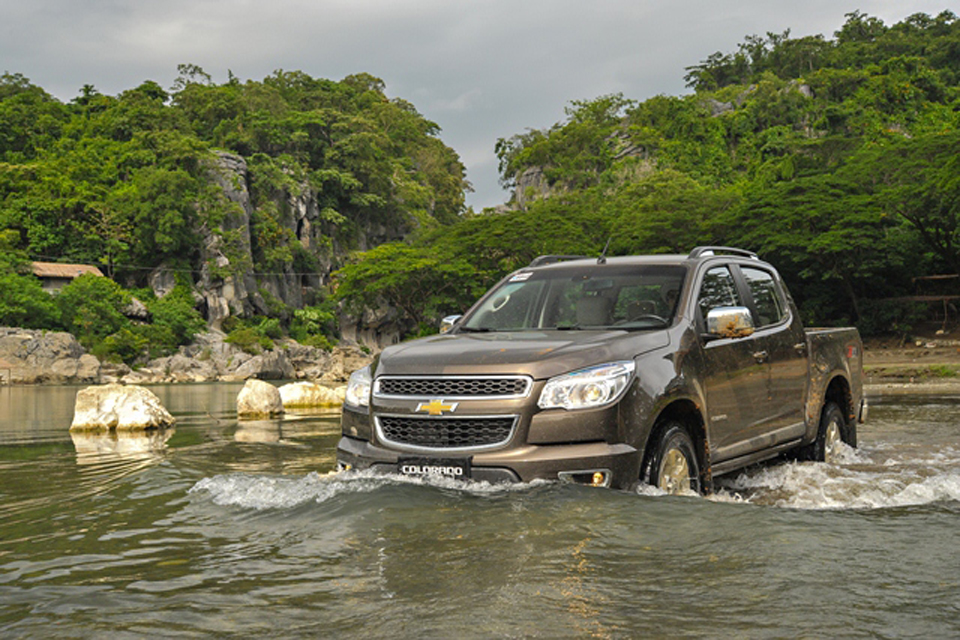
x=766, y=296
x=718, y=290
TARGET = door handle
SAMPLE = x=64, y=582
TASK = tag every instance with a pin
x=760, y=356
x=801, y=348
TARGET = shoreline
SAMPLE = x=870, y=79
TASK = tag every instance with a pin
x=27, y=357
x=880, y=390
x=33, y=357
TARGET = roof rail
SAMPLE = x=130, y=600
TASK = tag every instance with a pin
x=710, y=251
x=542, y=260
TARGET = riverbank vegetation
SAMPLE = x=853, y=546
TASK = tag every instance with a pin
x=835, y=158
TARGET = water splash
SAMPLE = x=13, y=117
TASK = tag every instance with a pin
x=861, y=479
x=263, y=492
x=877, y=477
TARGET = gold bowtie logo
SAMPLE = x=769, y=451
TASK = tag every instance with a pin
x=436, y=407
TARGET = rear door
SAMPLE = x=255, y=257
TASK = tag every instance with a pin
x=779, y=340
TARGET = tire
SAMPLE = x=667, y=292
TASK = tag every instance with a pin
x=672, y=465
x=832, y=431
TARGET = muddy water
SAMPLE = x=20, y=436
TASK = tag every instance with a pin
x=225, y=529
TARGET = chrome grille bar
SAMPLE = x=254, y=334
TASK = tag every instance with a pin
x=453, y=387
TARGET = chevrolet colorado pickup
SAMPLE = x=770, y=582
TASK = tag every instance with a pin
x=667, y=370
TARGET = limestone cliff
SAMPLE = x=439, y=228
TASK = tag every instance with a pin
x=230, y=282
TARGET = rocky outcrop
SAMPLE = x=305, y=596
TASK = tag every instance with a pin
x=718, y=108
x=162, y=280
x=227, y=284
x=379, y=327
x=259, y=399
x=35, y=357
x=118, y=407
x=270, y=365
x=137, y=311
x=210, y=358
x=32, y=357
x=310, y=394
x=532, y=185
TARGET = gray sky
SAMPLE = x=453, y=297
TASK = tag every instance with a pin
x=481, y=69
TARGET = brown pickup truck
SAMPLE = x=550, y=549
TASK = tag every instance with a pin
x=667, y=370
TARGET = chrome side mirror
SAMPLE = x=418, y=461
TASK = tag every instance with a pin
x=448, y=323
x=729, y=322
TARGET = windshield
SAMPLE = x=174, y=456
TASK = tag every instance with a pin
x=593, y=297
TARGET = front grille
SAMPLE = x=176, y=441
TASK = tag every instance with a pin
x=446, y=433
x=474, y=387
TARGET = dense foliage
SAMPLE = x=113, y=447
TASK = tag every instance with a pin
x=835, y=159
x=127, y=182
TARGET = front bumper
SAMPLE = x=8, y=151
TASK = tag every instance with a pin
x=519, y=464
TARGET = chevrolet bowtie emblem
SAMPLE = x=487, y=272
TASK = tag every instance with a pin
x=436, y=407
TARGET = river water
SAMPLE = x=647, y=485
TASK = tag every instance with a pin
x=222, y=529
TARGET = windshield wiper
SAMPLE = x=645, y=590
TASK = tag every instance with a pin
x=658, y=324
x=475, y=329
x=568, y=327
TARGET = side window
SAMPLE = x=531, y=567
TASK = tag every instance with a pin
x=718, y=290
x=766, y=296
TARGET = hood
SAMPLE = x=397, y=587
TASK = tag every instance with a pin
x=540, y=354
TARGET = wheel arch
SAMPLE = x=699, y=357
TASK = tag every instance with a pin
x=838, y=392
x=687, y=413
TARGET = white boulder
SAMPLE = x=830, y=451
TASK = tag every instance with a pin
x=118, y=407
x=309, y=394
x=258, y=399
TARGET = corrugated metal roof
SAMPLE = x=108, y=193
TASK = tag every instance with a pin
x=61, y=270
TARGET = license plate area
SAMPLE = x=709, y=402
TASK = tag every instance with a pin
x=458, y=468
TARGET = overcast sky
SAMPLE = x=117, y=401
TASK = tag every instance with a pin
x=481, y=69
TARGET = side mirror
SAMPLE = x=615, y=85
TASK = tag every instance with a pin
x=729, y=322
x=448, y=323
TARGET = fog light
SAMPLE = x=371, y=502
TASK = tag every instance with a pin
x=591, y=478
x=344, y=466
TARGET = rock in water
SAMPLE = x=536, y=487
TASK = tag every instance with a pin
x=309, y=394
x=258, y=399
x=120, y=407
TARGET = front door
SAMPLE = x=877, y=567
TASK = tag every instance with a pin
x=735, y=378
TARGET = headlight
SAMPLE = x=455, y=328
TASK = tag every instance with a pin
x=358, y=388
x=587, y=388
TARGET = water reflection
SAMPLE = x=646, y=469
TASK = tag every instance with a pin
x=263, y=431
x=98, y=448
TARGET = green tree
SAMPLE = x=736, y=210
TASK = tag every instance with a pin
x=825, y=229
x=23, y=302
x=667, y=212
x=420, y=283
x=91, y=308
x=919, y=180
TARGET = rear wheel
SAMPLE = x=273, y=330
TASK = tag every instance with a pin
x=672, y=465
x=830, y=435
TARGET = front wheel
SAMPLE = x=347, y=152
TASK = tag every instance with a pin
x=672, y=465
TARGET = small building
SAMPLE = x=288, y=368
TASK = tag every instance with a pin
x=55, y=275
